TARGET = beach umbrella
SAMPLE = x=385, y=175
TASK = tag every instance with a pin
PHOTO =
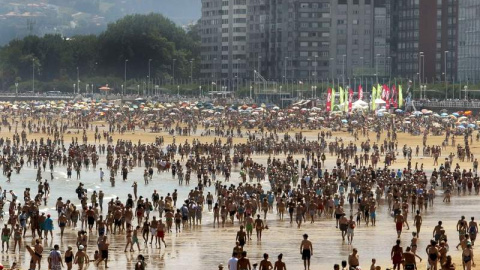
x=380, y=114
x=444, y=114
x=398, y=111
x=344, y=121
x=471, y=125
x=461, y=127
x=455, y=114
x=417, y=113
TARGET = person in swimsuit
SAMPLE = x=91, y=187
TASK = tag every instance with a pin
x=6, y=233
x=433, y=255
x=241, y=237
x=17, y=237
x=62, y=222
x=306, y=249
x=128, y=237
x=35, y=257
x=249, y=226
x=397, y=255
x=409, y=260
x=244, y=263
x=473, y=230
x=259, y=227
x=399, y=220
x=81, y=258
x=279, y=265
x=69, y=258
x=467, y=257
x=160, y=234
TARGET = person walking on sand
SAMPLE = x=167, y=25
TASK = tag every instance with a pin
x=397, y=255
x=306, y=249
x=417, y=222
x=279, y=265
x=259, y=227
x=353, y=260
x=244, y=263
x=81, y=258
x=467, y=257
x=103, y=245
x=55, y=259
x=399, y=220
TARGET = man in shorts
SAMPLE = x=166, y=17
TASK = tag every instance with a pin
x=6, y=233
x=241, y=237
x=306, y=249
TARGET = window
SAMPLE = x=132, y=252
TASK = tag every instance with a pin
x=355, y=22
x=303, y=44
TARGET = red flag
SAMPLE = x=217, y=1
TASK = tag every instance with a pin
x=393, y=97
x=387, y=96
x=360, y=92
x=329, y=99
x=350, y=99
x=384, y=92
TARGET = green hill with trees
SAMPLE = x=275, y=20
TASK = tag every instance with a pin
x=100, y=59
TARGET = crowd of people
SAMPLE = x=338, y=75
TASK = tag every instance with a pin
x=323, y=178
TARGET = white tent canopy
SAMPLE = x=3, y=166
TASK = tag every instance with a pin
x=380, y=101
x=360, y=103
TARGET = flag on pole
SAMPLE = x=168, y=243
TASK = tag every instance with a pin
x=333, y=99
x=360, y=92
x=345, y=105
x=350, y=99
x=379, y=91
x=400, y=96
x=340, y=89
x=387, y=95
x=329, y=99
x=374, y=96
x=393, y=97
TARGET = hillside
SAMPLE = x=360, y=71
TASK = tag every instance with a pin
x=20, y=18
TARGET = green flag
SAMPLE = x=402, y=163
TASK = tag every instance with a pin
x=400, y=96
x=374, y=96
x=379, y=91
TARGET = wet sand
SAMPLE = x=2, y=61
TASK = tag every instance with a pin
x=203, y=247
